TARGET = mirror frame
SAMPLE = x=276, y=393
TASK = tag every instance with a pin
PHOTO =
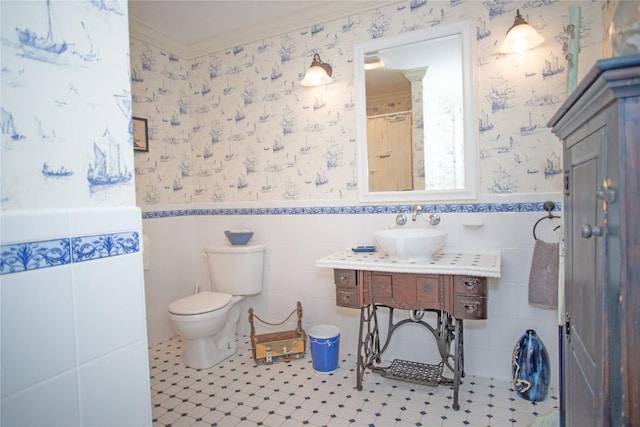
x=469, y=191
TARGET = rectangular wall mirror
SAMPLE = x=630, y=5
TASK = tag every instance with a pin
x=417, y=132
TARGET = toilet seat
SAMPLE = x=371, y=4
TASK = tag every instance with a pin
x=200, y=303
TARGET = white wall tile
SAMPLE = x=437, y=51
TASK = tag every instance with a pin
x=503, y=299
x=108, y=298
x=54, y=402
x=38, y=333
x=497, y=232
x=173, y=271
x=516, y=264
x=121, y=399
x=31, y=226
x=90, y=221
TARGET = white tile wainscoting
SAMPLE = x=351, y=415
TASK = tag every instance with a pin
x=73, y=322
x=297, y=237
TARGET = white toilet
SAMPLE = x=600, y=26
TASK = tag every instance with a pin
x=207, y=321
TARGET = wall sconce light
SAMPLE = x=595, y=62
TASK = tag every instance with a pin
x=318, y=74
x=520, y=37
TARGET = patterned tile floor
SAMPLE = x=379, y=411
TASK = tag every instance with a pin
x=237, y=392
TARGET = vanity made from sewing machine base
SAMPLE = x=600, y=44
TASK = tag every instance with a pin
x=452, y=285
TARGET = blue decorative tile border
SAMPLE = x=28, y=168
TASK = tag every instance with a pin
x=32, y=255
x=357, y=210
x=104, y=245
x=19, y=257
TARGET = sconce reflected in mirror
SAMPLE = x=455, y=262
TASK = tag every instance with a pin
x=318, y=74
x=520, y=37
x=373, y=63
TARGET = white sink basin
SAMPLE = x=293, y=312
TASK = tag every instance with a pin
x=410, y=244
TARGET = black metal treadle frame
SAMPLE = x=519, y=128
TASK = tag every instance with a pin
x=448, y=333
x=413, y=372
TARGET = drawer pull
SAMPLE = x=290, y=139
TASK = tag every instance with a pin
x=343, y=278
x=346, y=297
x=471, y=284
x=470, y=306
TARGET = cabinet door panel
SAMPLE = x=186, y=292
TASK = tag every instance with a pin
x=584, y=283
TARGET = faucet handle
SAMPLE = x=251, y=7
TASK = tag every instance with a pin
x=401, y=219
x=434, y=219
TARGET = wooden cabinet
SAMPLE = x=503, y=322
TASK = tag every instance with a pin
x=600, y=127
x=464, y=297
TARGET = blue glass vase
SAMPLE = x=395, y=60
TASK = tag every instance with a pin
x=530, y=367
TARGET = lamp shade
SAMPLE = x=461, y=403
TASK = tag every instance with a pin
x=373, y=63
x=520, y=37
x=318, y=73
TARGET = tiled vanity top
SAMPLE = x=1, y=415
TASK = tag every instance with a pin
x=472, y=264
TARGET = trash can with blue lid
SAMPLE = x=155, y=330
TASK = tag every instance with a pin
x=325, y=348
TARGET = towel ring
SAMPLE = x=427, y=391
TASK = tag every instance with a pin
x=548, y=206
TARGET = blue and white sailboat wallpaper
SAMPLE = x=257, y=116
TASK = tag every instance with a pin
x=107, y=167
x=41, y=162
x=246, y=102
x=30, y=39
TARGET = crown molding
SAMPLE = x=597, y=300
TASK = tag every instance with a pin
x=147, y=34
x=298, y=20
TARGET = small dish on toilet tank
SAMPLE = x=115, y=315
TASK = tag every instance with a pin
x=238, y=237
x=363, y=249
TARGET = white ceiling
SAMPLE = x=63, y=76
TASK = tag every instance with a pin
x=191, y=28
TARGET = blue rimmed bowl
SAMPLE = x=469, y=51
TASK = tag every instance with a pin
x=238, y=237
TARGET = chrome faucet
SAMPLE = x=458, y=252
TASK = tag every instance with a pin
x=417, y=210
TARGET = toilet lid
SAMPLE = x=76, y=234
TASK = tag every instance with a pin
x=199, y=303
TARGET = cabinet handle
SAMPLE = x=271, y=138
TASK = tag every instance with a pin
x=470, y=306
x=470, y=284
x=586, y=230
x=344, y=279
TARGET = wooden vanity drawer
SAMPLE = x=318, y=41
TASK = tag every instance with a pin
x=345, y=278
x=470, y=285
x=347, y=294
x=470, y=307
x=429, y=291
x=347, y=297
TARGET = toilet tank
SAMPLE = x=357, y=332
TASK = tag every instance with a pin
x=236, y=269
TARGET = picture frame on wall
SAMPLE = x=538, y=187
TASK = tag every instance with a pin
x=140, y=134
